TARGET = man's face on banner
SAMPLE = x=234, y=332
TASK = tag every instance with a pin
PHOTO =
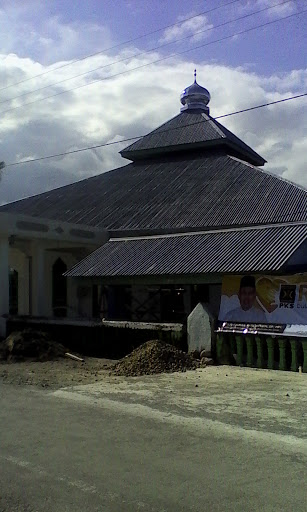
x=247, y=296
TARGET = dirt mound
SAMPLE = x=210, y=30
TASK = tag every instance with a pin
x=155, y=357
x=32, y=345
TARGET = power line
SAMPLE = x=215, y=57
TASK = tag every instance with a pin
x=121, y=44
x=145, y=52
x=283, y=100
x=155, y=61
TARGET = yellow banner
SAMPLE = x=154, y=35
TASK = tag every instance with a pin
x=264, y=299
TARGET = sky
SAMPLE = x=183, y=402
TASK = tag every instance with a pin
x=136, y=58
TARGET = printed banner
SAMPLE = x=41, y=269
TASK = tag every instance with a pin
x=264, y=299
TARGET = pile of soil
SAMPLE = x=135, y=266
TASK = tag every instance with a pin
x=30, y=345
x=155, y=357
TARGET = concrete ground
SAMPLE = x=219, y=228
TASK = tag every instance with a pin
x=217, y=439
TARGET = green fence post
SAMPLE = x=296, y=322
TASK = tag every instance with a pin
x=282, y=342
x=294, y=361
x=270, y=344
x=249, y=347
x=232, y=344
x=239, y=340
x=260, y=363
x=304, y=344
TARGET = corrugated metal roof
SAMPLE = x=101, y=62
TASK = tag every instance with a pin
x=185, y=193
x=242, y=250
x=189, y=129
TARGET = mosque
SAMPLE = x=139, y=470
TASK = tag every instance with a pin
x=148, y=241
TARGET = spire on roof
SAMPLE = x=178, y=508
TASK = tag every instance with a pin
x=195, y=98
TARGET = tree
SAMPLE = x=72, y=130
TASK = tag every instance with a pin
x=2, y=165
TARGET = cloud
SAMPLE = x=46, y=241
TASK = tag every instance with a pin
x=281, y=9
x=276, y=132
x=195, y=27
x=44, y=36
x=133, y=104
x=276, y=8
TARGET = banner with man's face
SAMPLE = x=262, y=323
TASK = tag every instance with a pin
x=264, y=299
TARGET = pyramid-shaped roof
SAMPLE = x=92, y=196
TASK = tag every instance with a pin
x=170, y=195
x=191, y=173
x=190, y=131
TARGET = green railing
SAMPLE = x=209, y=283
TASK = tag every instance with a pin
x=261, y=351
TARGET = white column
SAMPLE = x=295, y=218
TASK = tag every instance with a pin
x=4, y=284
x=39, y=284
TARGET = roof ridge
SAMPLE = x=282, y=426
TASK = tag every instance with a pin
x=214, y=123
x=270, y=173
x=227, y=229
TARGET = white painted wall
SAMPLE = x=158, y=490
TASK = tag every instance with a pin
x=26, y=241
x=43, y=260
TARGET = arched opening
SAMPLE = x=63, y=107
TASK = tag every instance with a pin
x=13, y=291
x=59, y=288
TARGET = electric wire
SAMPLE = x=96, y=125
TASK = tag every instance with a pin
x=140, y=54
x=155, y=61
x=283, y=100
x=122, y=44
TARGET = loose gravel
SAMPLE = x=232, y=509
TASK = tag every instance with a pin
x=155, y=357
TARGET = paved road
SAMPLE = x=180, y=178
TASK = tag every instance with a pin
x=84, y=450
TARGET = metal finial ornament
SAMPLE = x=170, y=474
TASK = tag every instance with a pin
x=195, y=98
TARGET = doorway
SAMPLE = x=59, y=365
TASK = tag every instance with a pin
x=59, y=289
